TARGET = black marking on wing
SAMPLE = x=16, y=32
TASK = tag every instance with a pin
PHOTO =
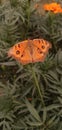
x=39, y=41
x=39, y=51
x=43, y=47
x=17, y=52
x=22, y=55
x=42, y=40
x=15, y=47
x=19, y=45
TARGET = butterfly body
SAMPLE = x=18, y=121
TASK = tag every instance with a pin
x=30, y=51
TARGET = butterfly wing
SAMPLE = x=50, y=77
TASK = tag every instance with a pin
x=21, y=52
x=41, y=48
x=30, y=51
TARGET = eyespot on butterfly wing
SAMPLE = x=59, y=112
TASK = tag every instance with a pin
x=30, y=51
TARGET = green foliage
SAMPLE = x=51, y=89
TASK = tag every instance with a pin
x=30, y=95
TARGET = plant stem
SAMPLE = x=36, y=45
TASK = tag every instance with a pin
x=37, y=85
x=28, y=14
x=51, y=23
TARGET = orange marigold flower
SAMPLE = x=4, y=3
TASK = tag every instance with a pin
x=54, y=7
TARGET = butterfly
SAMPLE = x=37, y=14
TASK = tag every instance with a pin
x=30, y=51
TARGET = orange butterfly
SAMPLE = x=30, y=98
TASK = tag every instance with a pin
x=30, y=51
